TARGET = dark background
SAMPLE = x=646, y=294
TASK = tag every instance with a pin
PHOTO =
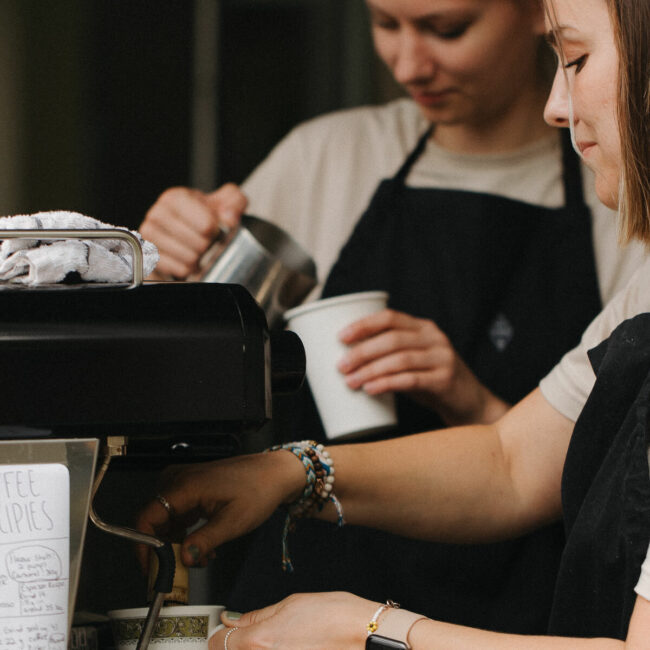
x=96, y=116
x=103, y=108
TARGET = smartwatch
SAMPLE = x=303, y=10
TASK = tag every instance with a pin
x=378, y=642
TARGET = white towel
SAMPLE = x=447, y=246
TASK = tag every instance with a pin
x=34, y=262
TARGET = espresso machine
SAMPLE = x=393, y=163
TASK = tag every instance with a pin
x=157, y=368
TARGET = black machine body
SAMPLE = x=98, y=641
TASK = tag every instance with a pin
x=148, y=361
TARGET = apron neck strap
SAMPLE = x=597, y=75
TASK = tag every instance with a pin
x=404, y=170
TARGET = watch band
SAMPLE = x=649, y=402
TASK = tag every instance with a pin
x=397, y=624
x=378, y=642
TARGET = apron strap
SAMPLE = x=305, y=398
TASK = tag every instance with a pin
x=404, y=170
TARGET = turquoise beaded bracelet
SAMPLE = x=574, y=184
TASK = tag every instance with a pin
x=319, y=489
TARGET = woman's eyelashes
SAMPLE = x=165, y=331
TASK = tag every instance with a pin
x=454, y=32
x=447, y=32
x=383, y=22
x=446, y=29
x=577, y=63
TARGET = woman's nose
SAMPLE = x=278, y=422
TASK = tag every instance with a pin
x=414, y=62
x=556, y=111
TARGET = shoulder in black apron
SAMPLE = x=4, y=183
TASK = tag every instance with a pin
x=606, y=491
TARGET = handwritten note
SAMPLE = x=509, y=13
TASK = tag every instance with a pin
x=34, y=556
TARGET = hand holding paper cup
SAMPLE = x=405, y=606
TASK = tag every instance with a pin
x=344, y=412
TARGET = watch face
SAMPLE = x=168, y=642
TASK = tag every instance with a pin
x=377, y=642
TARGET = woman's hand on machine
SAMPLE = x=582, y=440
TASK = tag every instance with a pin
x=233, y=496
x=324, y=620
x=183, y=222
x=391, y=351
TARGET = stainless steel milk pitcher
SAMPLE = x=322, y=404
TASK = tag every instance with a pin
x=265, y=260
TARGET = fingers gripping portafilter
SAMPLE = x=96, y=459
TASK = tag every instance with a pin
x=164, y=366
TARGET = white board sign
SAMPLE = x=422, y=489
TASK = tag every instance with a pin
x=34, y=556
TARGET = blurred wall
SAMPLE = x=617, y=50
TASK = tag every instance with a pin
x=10, y=113
x=97, y=114
x=98, y=96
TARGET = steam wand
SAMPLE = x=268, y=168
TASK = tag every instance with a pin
x=116, y=446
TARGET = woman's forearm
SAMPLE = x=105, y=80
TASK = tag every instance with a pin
x=438, y=485
x=306, y=621
x=433, y=635
x=468, y=484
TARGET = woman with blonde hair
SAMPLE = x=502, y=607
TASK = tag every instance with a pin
x=576, y=447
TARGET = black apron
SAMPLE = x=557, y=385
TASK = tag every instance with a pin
x=606, y=491
x=513, y=286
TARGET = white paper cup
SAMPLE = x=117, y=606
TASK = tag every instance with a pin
x=343, y=411
x=177, y=628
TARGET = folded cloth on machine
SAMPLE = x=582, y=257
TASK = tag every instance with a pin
x=34, y=261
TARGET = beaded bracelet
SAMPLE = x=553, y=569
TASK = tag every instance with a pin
x=319, y=489
x=372, y=626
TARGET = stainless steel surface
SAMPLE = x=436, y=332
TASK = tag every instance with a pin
x=104, y=233
x=150, y=622
x=266, y=261
x=116, y=446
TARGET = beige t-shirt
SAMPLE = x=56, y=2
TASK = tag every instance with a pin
x=319, y=180
x=568, y=385
x=643, y=586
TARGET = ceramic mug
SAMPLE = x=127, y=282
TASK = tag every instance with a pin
x=184, y=627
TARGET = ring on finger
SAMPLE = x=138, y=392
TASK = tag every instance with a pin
x=165, y=504
x=232, y=630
